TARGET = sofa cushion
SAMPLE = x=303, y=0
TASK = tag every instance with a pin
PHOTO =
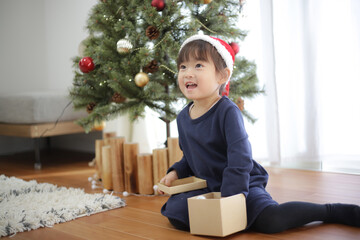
x=37, y=107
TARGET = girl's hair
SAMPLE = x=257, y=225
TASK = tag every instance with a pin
x=201, y=50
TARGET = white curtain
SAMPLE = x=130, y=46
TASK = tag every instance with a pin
x=308, y=58
x=307, y=54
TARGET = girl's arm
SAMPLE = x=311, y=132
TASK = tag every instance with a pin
x=182, y=168
x=236, y=175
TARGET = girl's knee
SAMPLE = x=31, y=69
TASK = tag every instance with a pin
x=179, y=224
x=269, y=221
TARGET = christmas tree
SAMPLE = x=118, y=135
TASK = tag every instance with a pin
x=128, y=62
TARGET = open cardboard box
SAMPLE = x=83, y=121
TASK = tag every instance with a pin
x=183, y=185
x=212, y=215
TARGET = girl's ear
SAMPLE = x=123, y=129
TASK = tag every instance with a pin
x=224, y=76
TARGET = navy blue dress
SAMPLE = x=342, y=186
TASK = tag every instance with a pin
x=216, y=148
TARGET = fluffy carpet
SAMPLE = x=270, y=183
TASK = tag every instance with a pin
x=27, y=205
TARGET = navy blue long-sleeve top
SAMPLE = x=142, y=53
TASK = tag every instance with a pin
x=216, y=148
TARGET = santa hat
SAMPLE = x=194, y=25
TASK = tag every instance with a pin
x=223, y=48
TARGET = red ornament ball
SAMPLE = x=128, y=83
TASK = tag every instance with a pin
x=86, y=64
x=235, y=47
x=158, y=4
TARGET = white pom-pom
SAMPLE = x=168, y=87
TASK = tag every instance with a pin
x=155, y=187
x=105, y=191
x=93, y=182
x=93, y=186
x=201, y=197
x=90, y=179
x=125, y=194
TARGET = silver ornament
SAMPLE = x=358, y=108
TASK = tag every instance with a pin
x=123, y=46
x=82, y=47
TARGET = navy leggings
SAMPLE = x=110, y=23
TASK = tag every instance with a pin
x=278, y=218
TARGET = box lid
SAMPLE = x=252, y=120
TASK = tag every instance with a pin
x=183, y=185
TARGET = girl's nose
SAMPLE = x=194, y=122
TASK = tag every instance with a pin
x=189, y=73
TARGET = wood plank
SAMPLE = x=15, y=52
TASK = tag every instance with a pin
x=15, y=130
x=131, y=151
x=88, y=230
x=141, y=218
x=175, y=153
x=117, y=164
x=40, y=129
x=141, y=215
x=160, y=164
x=153, y=203
x=42, y=233
x=106, y=160
x=145, y=173
x=144, y=229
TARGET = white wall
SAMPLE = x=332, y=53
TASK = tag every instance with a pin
x=64, y=30
x=22, y=41
x=38, y=39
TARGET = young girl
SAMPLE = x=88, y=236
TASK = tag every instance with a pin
x=216, y=148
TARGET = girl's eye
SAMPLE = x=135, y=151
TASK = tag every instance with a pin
x=182, y=66
x=199, y=65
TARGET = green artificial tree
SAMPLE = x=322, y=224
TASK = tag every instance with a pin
x=128, y=62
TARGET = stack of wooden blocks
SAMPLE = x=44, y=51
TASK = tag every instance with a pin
x=122, y=168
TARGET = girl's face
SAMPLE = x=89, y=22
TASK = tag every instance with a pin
x=199, y=80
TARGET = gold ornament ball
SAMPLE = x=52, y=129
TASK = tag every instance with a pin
x=207, y=1
x=123, y=46
x=141, y=79
x=99, y=126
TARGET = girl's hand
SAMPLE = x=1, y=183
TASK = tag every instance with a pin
x=168, y=179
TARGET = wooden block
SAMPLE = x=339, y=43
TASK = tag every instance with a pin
x=106, y=167
x=98, y=155
x=145, y=174
x=131, y=150
x=107, y=135
x=117, y=162
x=160, y=163
x=175, y=153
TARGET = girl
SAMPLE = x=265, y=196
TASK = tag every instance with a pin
x=216, y=148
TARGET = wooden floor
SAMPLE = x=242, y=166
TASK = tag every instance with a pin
x=141, y=218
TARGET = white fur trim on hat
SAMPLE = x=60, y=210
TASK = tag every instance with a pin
x=224, y=53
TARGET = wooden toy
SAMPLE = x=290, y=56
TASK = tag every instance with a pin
x=212, y=215
x=183, y=185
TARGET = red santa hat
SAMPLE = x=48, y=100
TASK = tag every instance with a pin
x=223, y=48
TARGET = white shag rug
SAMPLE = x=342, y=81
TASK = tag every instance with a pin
x=28, y=205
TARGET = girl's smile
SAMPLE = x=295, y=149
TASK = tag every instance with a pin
x=190, y=85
